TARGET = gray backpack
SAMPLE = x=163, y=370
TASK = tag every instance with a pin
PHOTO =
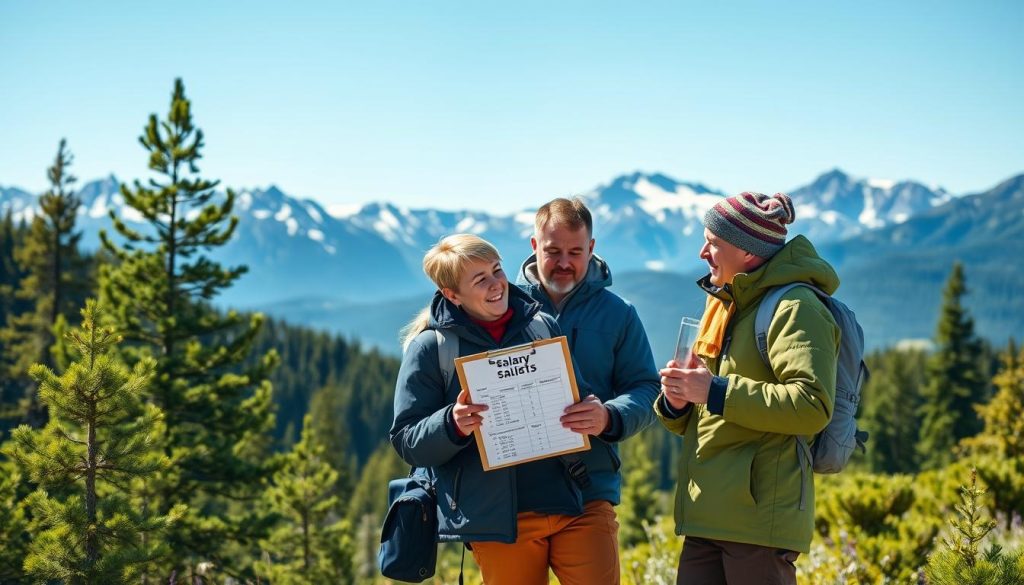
x=835, y=444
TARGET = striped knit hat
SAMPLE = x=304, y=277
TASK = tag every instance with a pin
x=753, y=222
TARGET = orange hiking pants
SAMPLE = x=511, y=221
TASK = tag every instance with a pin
x=581, y=550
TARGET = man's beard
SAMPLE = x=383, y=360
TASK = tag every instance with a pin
x=554, y=286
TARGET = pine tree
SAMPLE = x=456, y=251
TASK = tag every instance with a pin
x=13, y=385
x=999, y=448
x=13, y=525
x=309, y=361
x=366, y=507
x=328, y=405
x=218, y=413
x=892, y=400
x=9, y=272
x=56, y=264
x=55, y=280
x=1003, y=416
x=962, y=563
x=639, y=499
x=98, y=441
x=312, y=544
x=955, y=383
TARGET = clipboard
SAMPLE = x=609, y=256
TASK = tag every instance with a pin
x=526, y=387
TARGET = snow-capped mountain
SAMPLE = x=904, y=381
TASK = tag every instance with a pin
x=20, y=203
x=295, y=248
x=836, y=206
x=651, y=222
x=413, y=231
x=891, y=276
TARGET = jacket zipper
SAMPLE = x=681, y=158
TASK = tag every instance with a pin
x=455, y=493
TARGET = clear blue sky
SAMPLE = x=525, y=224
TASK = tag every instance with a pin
x=499, y=105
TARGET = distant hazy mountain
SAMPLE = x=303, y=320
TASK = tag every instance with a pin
x=295, y=248
x=892, y=277
x=994, y=217
x=19, y=202
x=358, y=270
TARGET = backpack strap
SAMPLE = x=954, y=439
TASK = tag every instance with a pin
x=762, y=320
x=538, y=328
x=766, y=310
x=447, y=351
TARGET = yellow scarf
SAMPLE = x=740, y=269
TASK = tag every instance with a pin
x=712, y=327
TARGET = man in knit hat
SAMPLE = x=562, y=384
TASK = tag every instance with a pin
x=745, y=498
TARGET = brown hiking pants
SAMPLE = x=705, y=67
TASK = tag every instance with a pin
x=717, y=562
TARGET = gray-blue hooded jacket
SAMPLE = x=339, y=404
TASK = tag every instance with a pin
x=473, y=505
x=610, y=346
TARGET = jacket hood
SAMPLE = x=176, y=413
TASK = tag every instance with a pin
x=599, y=276
x=797, y=261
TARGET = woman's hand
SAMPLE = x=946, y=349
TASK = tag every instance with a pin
x=466, y=414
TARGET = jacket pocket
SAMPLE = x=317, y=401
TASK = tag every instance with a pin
x=726, y=480
x=752, y=478
x=749, y=459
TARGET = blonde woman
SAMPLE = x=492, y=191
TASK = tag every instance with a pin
x=520, y=520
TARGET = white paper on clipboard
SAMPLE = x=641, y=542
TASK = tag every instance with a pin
x=526, y=389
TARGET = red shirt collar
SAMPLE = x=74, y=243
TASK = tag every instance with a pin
x=495, y=328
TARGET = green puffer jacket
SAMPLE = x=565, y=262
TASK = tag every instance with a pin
x=740, y=476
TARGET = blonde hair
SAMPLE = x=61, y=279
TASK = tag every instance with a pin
x=444, y=264
x=572, y=213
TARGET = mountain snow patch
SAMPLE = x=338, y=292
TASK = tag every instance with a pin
x=284, y=213
x=245, y=201
x=99, y=208
x=343, y=210
x=311, y=210
x=470, y=225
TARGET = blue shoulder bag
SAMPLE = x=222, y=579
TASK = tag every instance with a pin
x=408, y=540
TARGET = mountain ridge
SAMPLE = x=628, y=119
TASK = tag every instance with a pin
x=891, y=241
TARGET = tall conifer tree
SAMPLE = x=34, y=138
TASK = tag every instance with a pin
x=999, y=449
x=311, y=543
x=55, y=281
x=217, y=413
x=9, y=273
x=891, y=409
x=11, y=389
x=98, y=440
x=955, y=381
x=14, y=537
x=639, y=498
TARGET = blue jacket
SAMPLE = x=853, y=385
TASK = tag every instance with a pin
x=473, y=505
x=610, y=346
